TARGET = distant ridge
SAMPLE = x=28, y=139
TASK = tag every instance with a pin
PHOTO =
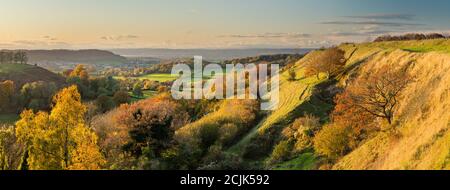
x=24, y=73
x=208, y=54
x=88, y=56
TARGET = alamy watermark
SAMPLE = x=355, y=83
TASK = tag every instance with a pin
x=237, y=81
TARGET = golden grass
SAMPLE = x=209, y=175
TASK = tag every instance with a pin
x=422, y=137
x=292, y=93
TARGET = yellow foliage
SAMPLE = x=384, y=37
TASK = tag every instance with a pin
x=60, y=140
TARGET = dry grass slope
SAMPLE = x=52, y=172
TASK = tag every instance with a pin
x=421, y=138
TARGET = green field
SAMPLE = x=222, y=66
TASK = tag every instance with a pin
x=8, y=118
x=147, y=94
x=160, y=77
x=163, y=77
x=306, y=161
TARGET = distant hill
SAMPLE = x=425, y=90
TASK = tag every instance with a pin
x=208, y=54
x=281, y=59
x=23, y=73
x=74, y=56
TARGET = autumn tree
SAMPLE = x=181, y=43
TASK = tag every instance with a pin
x=373, y=95
x=10, y=150
x=151, y=124
x=121, y=97
x=7, y=90
x=59, y=140
x=104, y=103
x=81, y=72
x=328, y=61
x=37, y=95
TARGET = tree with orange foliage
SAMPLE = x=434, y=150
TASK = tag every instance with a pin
x=151, y=124
x=81, y=72
x=373, y=95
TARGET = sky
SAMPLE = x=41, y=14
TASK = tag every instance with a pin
x=180, y=24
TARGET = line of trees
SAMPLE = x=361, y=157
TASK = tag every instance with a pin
x=13, y=57
x=412, y=36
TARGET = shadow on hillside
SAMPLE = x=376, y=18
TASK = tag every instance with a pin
x=320, y=104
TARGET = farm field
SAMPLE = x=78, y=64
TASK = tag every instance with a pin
x=160, y=77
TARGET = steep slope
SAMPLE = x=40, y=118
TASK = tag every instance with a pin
x=23, y=73
x=421, y=137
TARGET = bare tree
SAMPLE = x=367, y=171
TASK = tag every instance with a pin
x=377, y=94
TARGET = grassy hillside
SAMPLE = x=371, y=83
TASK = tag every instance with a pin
x=420, y=137
x=295, y=100
x=22, y=73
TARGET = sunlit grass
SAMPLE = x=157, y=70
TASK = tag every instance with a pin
x=306, y=161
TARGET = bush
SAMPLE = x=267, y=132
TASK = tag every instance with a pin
x=137, y=90
x=221, y=127
x=281, y=152
x=104, y=103
x=261, y=145
x=228, y=132
x=333, y=141
x=302, y=132
x=121, y=97
x=292, y=75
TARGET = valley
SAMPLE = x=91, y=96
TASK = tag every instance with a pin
x=235, y=134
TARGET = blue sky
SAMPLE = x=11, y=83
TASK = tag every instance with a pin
x=49, y=24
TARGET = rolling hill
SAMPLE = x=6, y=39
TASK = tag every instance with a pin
x=74, y=56
x=23, y=73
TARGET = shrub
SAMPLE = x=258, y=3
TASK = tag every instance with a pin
x=302, y=132
x=137, y=90
x=228, y=132
x=333, y=141
x=292, y=75
x=222, y=126
x=261, y=145
x=281, y=152
x=104, y=103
